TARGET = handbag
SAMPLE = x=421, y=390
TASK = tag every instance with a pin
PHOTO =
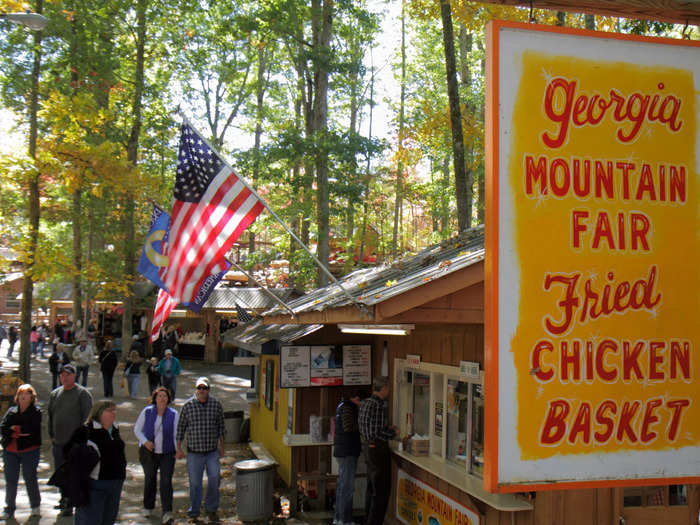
x=122, y=383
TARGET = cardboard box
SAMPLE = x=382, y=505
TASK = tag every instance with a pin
x=419, y=447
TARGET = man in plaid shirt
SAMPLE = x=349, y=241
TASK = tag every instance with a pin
x=376, y=432
x=201, y=424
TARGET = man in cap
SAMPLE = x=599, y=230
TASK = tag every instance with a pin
x=69, y=407
x=201, y=424
x=169, y=369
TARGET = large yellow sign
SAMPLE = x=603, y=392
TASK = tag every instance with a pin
x=594, y=247
x=420, y=504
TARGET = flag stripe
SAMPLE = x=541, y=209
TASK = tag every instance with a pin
x=164, y=305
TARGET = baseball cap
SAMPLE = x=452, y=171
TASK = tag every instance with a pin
x=202, y=381
x=68, y=368
x=168, y=352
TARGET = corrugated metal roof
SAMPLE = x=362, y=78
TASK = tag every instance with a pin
x=374, y=285
x=251, y=336
x=247, y=298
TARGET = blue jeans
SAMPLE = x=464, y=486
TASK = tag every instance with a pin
x=346, y=489
x=133, y=380
x=29, y=461
x=170, y=383
x=104, y=503
x=196, y=462
x=84, y=371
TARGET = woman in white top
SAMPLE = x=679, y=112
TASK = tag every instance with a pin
x=155, y=429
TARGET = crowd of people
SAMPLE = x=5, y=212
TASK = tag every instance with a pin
x=89, y=457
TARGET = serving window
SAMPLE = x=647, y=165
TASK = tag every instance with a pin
x=443, y=411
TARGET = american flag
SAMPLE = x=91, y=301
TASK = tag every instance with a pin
x=243, y=316
x=212, y=207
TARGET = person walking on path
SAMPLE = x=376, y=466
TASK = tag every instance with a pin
x=69, y=407
x=12, y=338
x=57, y=359
x=346, y=448
x=42, y=340
x=83, y=358
x=107, y=477
x=202, y=425
x=376, y=433
x=132, y=372
x=153, y=375
x=108, y=364
x=21, y=442
x=169, y=368
x=3, y=334
x=34, y=341
x=155, y=429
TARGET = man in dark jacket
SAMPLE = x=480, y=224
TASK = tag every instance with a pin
x=12, y=338
x=346, y=448
x=57, y=359
x=108, y=364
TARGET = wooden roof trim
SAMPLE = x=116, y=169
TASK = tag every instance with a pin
x=343, y=314
x=439, y=287
x=438, y=316
x=674, y=11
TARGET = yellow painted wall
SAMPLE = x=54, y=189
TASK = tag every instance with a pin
x=262, y=421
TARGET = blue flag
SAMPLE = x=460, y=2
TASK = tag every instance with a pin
x=152, y=258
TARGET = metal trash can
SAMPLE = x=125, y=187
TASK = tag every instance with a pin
x=254, y=483
x=232, y=422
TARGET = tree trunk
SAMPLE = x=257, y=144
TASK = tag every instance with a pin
x=132, y=156
x=462, y=183
x=399, y=165
x=322, y=19
x=76, y=209
x=34, y=211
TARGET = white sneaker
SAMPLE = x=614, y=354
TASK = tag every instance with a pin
x=36, y=511
x=148, y=512
x=167, y=518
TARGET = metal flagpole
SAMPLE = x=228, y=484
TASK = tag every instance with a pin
x=289, y=231
x=268, y=292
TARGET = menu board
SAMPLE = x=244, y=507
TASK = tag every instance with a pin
x=327, y=365
x=357, y=365
x=295, y=366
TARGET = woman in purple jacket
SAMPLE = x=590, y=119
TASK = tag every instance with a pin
x=155, y=429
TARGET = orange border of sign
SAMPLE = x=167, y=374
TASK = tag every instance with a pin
x=491, y=365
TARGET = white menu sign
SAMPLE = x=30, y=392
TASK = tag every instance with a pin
x=295, y=366
x=357, y=366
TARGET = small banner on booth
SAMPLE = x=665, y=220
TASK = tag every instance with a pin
x=420, y=504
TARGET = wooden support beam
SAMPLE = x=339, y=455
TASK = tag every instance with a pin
x=673, y=11
x=438, y=316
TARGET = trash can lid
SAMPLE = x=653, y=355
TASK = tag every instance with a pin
x=253, y=465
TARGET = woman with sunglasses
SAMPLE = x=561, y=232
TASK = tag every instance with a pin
x=21, y=443
x=155, y=429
